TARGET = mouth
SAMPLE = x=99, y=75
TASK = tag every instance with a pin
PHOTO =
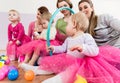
x=63, y=11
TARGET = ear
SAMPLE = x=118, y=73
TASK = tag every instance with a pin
x=74, y=23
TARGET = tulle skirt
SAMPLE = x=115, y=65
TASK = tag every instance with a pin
x=12, y=52
x=104, y=68
x=38, y=46
x=26, y=39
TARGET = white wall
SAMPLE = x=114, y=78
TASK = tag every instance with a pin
x=27, y=9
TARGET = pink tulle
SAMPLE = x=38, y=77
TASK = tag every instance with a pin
x=28, y=47
x=12, y=51
x=104, y=68
x=39, y=46
x=26, y=39
x=55, y=63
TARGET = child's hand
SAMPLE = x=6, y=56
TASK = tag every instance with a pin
x=36, y=34
x=18, y=42
x=77, y=47
x=10, y=42
x=38, y=37
x=50, y=48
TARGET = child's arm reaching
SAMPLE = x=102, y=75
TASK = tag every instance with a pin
x=50, y=48
x=58, y=49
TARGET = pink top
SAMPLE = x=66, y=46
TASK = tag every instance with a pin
x=16, y=32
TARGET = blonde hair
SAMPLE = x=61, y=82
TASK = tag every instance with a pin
x=81, y=21
x=13, y=10
x=46, y=15
x=93, y=18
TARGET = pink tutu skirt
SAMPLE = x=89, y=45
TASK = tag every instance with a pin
x=12, y=52
x=39, y=46
x=26, y=39
x=104, y=68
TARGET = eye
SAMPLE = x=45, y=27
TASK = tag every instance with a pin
x=43, y=23
x=9, y=15
x=85, y=7
x=38, y=14
x=80, y=9
x=65, y=5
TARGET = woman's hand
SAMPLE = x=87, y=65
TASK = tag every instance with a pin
x=77, y=47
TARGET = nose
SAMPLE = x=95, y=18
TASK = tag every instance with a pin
x=82, y=10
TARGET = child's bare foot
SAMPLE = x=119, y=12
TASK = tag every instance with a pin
x=20, y=63
x=31, y=63
x=25, y=62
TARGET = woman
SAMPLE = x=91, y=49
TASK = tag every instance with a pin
x=104, y=28
x=61, y=23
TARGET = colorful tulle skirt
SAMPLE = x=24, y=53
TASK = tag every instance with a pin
x=104, y=68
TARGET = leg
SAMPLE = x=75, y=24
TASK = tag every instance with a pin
x=67, y=76
x=33, y=59
x=27, y=57
x=55, y=79
x=35, y=56
x=35, y=69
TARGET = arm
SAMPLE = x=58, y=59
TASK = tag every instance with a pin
x=61, y=49
x=112, y=22
x=30, y=29
x=9, y=34
x=90, y=47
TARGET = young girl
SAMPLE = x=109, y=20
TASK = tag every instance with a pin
x=40, y=49
x=34, y=30
x=16, y=34
x=82, y=57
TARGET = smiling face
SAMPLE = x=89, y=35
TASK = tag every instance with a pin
x=86, y=8
x=64, y=4
x=13, y=16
